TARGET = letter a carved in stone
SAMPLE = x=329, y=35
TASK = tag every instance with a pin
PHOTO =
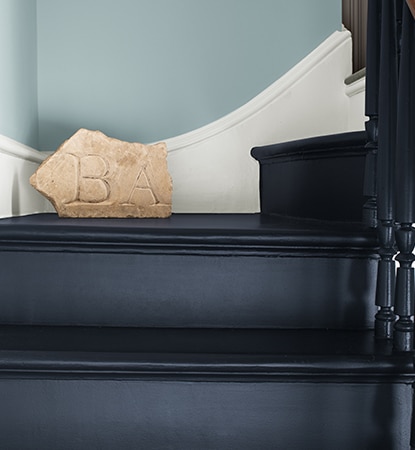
x=92, y=175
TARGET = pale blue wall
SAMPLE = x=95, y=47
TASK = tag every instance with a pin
x=145, y=70
x=150, y=69
x=18, y=82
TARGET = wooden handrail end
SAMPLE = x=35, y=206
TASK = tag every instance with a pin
x=411, y=4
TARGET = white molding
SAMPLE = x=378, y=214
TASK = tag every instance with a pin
x=356, y=87
x=11, y=147
x=17, y=163
x=262, y=100
x=356, y=94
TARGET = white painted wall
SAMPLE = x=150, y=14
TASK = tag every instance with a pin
x=211, y=167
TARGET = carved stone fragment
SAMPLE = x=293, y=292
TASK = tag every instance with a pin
x=92, y=175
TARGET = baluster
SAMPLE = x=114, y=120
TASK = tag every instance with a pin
x=385, y=289
x=369, y=188
x=412, y=442
x=388, y=89
x=404, y=327
x=371, y=111
x=405, y=185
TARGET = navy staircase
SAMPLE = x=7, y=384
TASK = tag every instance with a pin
x=230, y=331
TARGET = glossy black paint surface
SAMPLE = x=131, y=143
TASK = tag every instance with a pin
x=320, y=177
x=242, y=270
x=228, y=354
x=79, y=388
x=137, y=414
x=183, y=387
x=183, y=232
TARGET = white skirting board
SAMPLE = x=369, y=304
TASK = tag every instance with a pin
x=17, y=164
x=211, y=167
x=356, y=91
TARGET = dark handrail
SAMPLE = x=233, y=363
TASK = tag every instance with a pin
x=411, y=4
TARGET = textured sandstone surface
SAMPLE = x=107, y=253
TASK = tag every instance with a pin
x=92, y=175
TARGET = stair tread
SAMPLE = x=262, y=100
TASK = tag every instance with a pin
x=219, y=231
x=200, y=352
x=189, y=271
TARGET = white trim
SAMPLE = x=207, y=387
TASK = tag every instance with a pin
x=17, y=163
x=11, y=147
x=355, y=92
x=262, y=100
x=356, y=88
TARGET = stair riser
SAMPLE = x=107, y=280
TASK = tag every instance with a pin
x=328, y=189
x=320, y=177
x=135, y=414
x=187, y=290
